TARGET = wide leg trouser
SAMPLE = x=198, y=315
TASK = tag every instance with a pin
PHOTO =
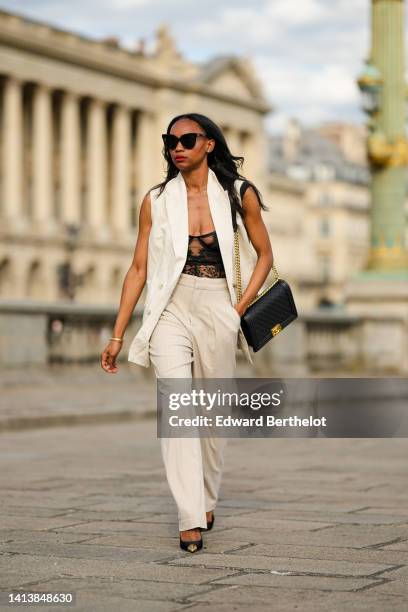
x=195, y=337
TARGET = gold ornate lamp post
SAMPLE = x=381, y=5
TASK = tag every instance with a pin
x=379, y=292
x=384, y=100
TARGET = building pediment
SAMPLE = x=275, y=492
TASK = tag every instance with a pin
x=233, y=76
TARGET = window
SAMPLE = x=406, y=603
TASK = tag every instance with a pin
x=325, y=268
x=324, y=229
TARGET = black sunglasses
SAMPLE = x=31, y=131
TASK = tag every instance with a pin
x=187, y=140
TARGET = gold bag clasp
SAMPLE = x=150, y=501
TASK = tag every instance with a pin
x=276, y=329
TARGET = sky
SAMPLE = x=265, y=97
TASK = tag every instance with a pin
x=307, y=53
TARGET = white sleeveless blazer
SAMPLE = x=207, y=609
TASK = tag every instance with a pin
x=167, y=253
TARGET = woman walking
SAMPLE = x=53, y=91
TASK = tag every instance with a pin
x=190, y=329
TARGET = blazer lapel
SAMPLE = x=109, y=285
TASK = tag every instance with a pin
x=220, y=208
x=175, y=194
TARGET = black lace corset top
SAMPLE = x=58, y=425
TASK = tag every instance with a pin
x=204, y=256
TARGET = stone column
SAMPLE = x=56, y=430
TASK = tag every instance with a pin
x=249, y=168
x=233, y=141
x=149, y=159
x=120, y=196
x=254, y=150
x=43, y=214
x=97, y=169
x=13, y=153
x=70, y=158
x=258, y=155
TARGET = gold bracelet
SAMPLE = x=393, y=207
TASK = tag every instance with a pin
x=118, y=339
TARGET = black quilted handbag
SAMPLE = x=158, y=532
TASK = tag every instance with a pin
x=270, y=311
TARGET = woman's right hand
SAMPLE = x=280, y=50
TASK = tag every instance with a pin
x=108, y=358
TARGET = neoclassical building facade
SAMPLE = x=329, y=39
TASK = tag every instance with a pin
x=80, y=135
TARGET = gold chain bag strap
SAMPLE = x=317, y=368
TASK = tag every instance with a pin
x=270, y=311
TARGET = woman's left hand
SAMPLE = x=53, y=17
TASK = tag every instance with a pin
x=240, y=309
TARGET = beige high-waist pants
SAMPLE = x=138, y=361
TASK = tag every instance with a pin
x=195, y=337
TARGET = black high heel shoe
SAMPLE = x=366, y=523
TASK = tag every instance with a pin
x=209, y=524
x=192, y=545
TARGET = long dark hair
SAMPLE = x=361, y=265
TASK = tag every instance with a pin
x=220, y=160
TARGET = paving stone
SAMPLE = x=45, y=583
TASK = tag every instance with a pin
x=220, y=544
x=393, y=588
x=25, y=535
x=318, y=583
x=82, y=515
x=53, y=500
x=145, y=590
x=356, y=536
x=400, y=546
x=269, y=521
x=36, y=523
x=328, y=517
x=399, y=511
x=98, y=527
x=39, y=512
x=361, y=498
x=372, y=555
x=401, y=573
x=104, y=568
x=249, y=561
x=85, y=551
x=302, y=599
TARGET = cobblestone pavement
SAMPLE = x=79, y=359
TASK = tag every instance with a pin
x=302, y=524
x=74, y=394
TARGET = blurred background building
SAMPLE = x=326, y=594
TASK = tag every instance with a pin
x=81, y=125
x=328, y=165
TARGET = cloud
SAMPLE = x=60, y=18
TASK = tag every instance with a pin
x=128, y=4
x=306, y=11
x=308, y=53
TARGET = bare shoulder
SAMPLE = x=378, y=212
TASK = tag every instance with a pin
x=250, y=201
x=254, y=222
x=147, y=201
x=139, y=261
x=150, y=199
x=145, y=215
